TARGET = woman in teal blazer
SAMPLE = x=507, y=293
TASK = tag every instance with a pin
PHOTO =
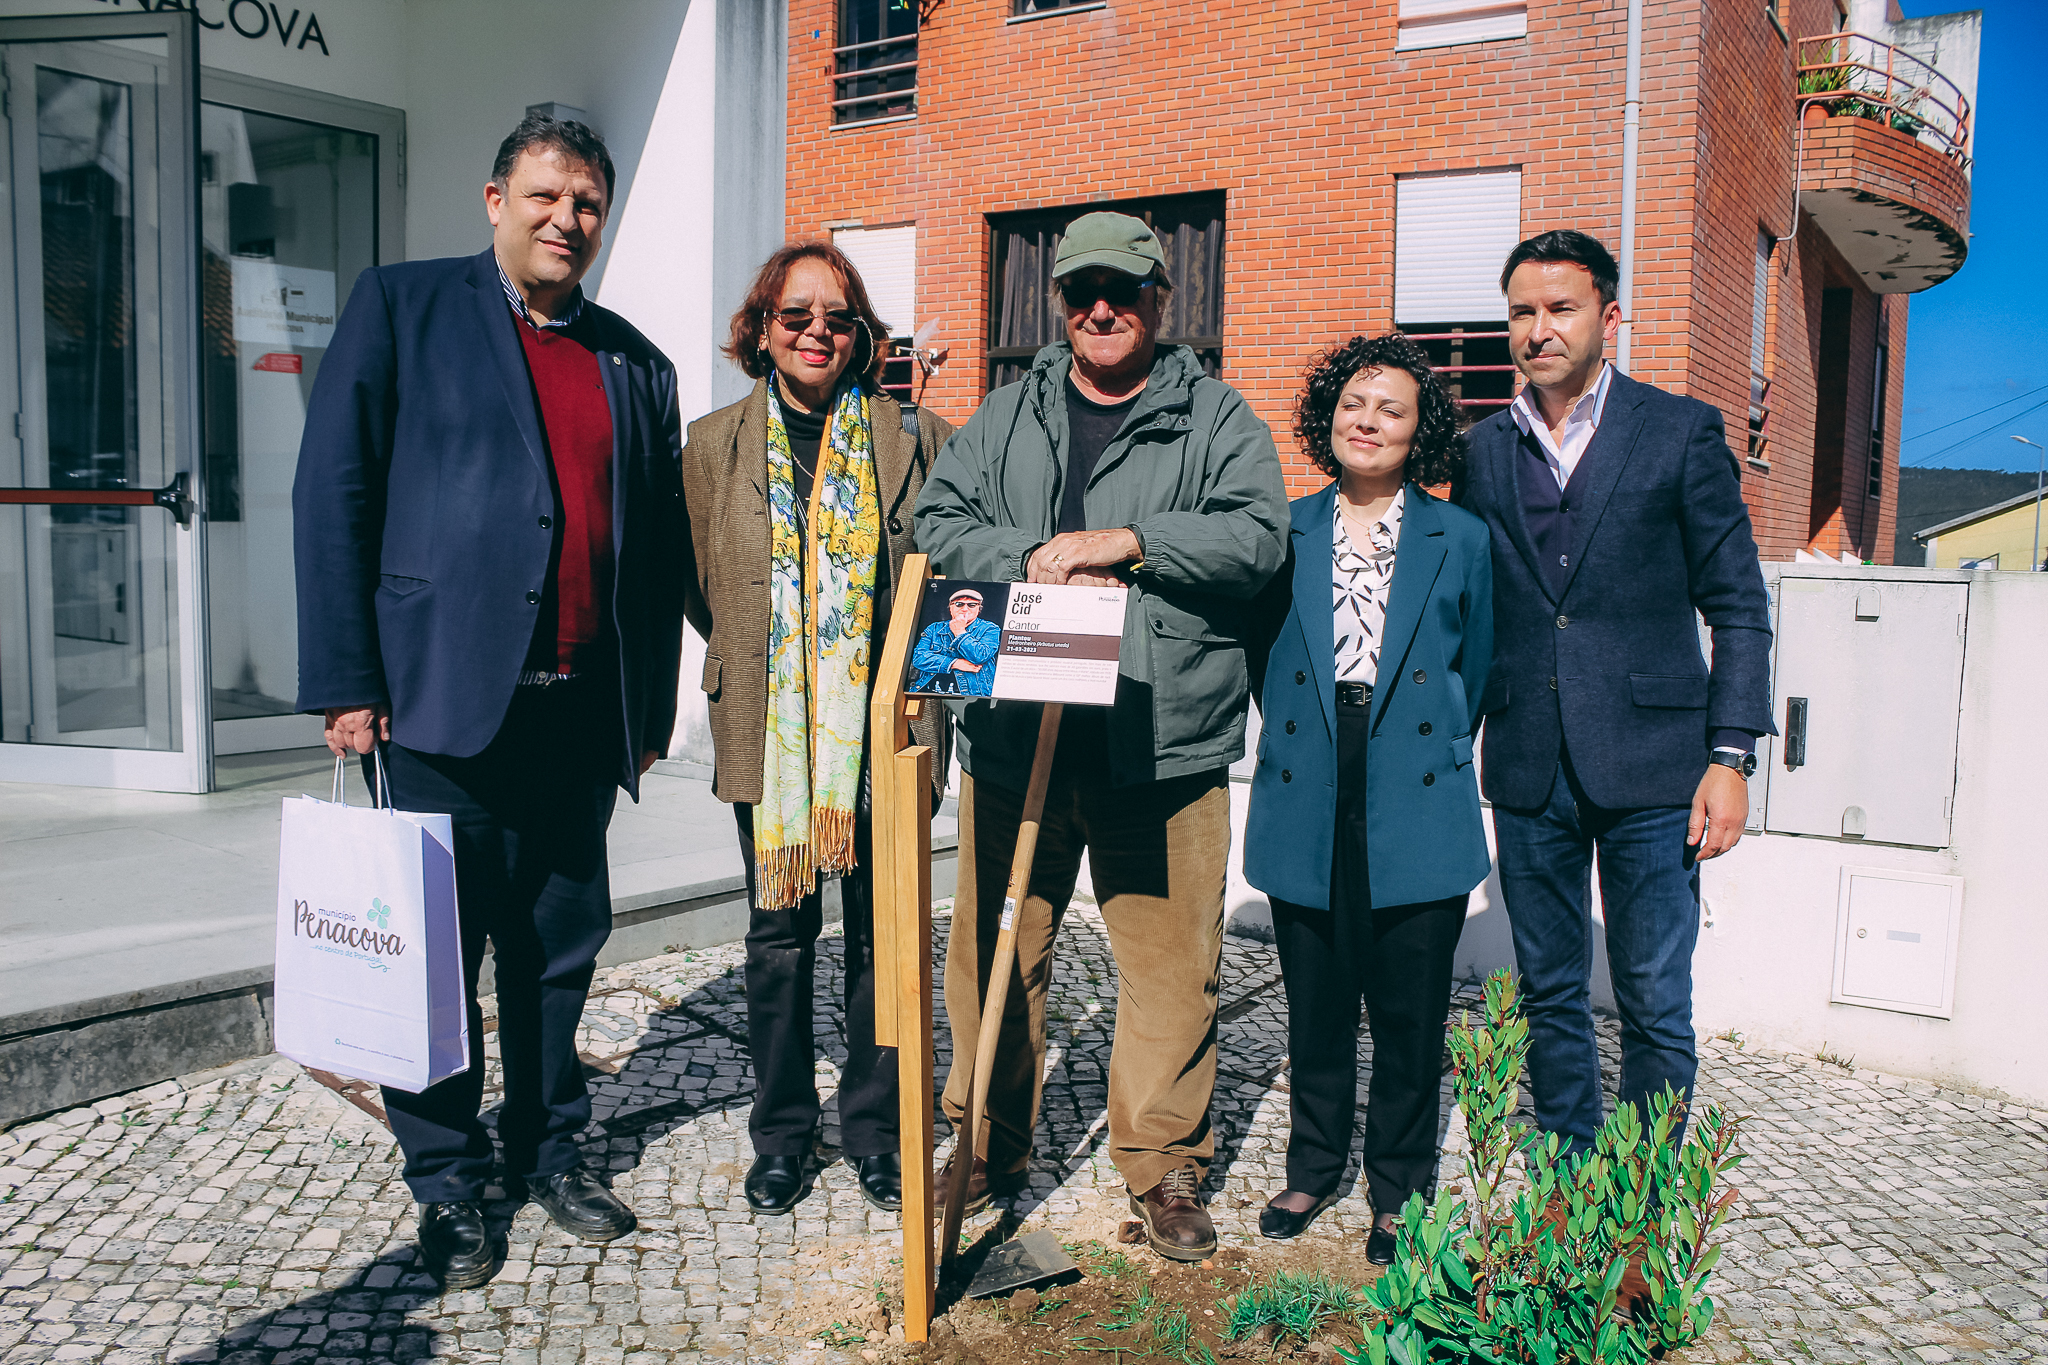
x=1364, y=826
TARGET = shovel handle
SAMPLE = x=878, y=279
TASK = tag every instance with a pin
x=968, y=1138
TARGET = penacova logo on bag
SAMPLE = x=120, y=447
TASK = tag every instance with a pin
x=369, y=942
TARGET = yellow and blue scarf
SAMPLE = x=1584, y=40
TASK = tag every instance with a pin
x=821, y=614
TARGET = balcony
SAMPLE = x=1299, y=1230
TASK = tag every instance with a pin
x=1884, y=160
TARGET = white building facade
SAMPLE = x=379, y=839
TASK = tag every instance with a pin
x=194, y=186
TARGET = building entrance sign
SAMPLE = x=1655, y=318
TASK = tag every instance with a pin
x=281, y=306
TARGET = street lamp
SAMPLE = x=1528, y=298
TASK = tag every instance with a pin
x=2035, y=562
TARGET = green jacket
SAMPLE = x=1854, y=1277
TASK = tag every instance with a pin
x=1194, y=472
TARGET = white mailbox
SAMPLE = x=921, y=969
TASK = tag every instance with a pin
x=1895, y=941
x=1868, y=696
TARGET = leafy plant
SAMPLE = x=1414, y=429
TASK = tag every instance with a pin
x=1824, y=81
x=1535, y=1274
x=839, y=1336
x=1295, y=1304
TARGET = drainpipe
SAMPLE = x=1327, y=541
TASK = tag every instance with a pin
x=1631, y=130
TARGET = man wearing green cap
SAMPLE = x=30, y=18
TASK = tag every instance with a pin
x=1116, y=460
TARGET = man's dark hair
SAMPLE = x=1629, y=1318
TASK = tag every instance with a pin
x=568, y=139
x=1572, y=247
x=1436, y=456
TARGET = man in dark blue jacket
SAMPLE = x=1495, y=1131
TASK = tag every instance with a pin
x=1616, y=515
x=491, y=555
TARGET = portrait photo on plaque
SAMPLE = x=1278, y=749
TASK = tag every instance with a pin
x=1018, y=641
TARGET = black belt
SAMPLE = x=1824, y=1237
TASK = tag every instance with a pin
x=1354, y=694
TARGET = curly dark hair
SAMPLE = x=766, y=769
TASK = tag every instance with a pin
x=745, y=347
x=1438, y=453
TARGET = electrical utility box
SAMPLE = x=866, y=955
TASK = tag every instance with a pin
x=1896, y=935
x=1868, y=692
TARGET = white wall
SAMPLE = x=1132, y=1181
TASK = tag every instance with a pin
x=1766, y=960
x=363, y=39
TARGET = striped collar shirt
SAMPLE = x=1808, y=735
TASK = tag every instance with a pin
x=1580, y=424
x=1359, y=579
x=525, y=315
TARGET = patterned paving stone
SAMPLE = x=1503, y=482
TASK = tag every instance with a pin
x=255, y=1216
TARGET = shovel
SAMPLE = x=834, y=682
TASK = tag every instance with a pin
x=1036, y=1256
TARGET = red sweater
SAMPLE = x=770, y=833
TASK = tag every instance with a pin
x=576, y=605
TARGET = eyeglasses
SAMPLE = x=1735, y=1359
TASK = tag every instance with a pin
x=840, y=322
x=1118, y=290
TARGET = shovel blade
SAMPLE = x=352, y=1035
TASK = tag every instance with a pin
x=1032, y=1259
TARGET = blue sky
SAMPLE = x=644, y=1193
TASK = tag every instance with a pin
x=1980, y=338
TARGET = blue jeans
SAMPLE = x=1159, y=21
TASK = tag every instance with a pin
x=1649, y=889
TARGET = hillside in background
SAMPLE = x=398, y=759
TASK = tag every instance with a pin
x=1928, y=497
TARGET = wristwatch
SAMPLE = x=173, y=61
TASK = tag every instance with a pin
x=1742, y=763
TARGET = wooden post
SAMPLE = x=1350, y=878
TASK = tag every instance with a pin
x=998, y=995
x=900, y=773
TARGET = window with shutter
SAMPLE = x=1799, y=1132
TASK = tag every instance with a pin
x=875, y=65
x=1023, y=317
x=1759, y=381
x=1452, y=233
x=886, y=258
x=1442, y=23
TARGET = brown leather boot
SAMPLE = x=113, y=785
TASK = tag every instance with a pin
x=1175, y=1222
x=982, y=1185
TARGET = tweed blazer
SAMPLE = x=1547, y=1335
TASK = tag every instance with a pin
x=1606, y=665
x=725, y=487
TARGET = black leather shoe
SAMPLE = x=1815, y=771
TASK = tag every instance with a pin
x=458, y=1247
x=881, y=1180
x=1379, y=1248
x=775, y=1184
x=581, y=1206
x=1284, y=1225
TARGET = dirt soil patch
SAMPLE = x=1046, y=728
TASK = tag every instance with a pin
x=1130, y=1306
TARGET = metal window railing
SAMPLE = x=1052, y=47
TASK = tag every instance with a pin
x=1858, y=76
x=1455, y=373
x=875, y=80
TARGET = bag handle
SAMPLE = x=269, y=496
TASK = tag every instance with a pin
x=380, y=794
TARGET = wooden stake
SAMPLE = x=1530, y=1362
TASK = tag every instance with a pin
x=993, y=1004
x=899, y=773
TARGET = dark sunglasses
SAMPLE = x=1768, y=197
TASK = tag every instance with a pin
x=797, y=321
x=1118, y=291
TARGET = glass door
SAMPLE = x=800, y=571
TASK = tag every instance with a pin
x=103, y=678
x=297, y=194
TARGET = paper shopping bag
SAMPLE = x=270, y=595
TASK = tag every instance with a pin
x=369, y=950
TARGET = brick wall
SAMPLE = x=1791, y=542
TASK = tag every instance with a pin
x=1303, y=113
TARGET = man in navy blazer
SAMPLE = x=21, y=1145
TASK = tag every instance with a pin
x=1616, y=515
x=491, y=556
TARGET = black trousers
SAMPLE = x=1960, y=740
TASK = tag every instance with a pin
x=1397, y=960
x=529, y=816
x=782, y=959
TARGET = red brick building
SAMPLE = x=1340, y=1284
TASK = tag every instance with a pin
x=1318, y=169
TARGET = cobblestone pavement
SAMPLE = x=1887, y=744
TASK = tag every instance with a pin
x=255, y=1216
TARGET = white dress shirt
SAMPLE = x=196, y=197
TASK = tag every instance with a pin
x=1579, y=424
x=1359, y=579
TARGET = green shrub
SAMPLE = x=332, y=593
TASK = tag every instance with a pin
x=1534, y=1277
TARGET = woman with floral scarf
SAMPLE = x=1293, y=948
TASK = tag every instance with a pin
x=799, y=499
